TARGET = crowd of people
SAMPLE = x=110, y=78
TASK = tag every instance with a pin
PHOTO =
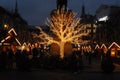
x=10, y=60
x=24, y=60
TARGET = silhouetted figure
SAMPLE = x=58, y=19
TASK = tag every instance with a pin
x=35, y=59
x=25, y=61
x=35, y=52
x=19, y=59
x=77, y=63
x=86, y=55
x=22, y=60
x=90, y=58
x=10, y=59
x=74, y=62
x=107, y=63
x=61, y=4
x=3, y=58
x=80, y=59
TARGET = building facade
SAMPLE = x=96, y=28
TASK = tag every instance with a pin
x=88, y=21
x=14, y=20
x=108, y=24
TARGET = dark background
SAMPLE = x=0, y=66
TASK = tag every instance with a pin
x=36, y=11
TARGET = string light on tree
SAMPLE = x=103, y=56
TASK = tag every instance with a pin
x=66, y=27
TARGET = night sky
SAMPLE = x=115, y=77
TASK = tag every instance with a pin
x=35, y=12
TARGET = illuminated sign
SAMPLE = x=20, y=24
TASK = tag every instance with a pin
x=105, y=18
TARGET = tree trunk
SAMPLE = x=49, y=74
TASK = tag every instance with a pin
x=62, y=50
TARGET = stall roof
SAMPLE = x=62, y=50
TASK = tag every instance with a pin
x=114, y=44
x=11, y=38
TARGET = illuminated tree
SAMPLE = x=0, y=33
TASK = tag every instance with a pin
x=65, y=27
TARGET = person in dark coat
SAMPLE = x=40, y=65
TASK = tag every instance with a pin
x=3, y=58
x=10, y=59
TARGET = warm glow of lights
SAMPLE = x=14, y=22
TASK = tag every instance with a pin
x=28, y=49
x=65, y=27
x=97, y=47
x=5, y=26
x=103, y=46
x=36, y=45
x=13, y=31
x=33, y=46
x=114, y=43
x=18, y=42
x=23, y=48
x=113, y=53
x=10, y=36
x=29, y=44
x=105, y=49
x=5, y=39
x=6, y=44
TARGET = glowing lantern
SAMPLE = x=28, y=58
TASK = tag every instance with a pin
x=28, y=49
x=113, y=53
x=23, y=47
